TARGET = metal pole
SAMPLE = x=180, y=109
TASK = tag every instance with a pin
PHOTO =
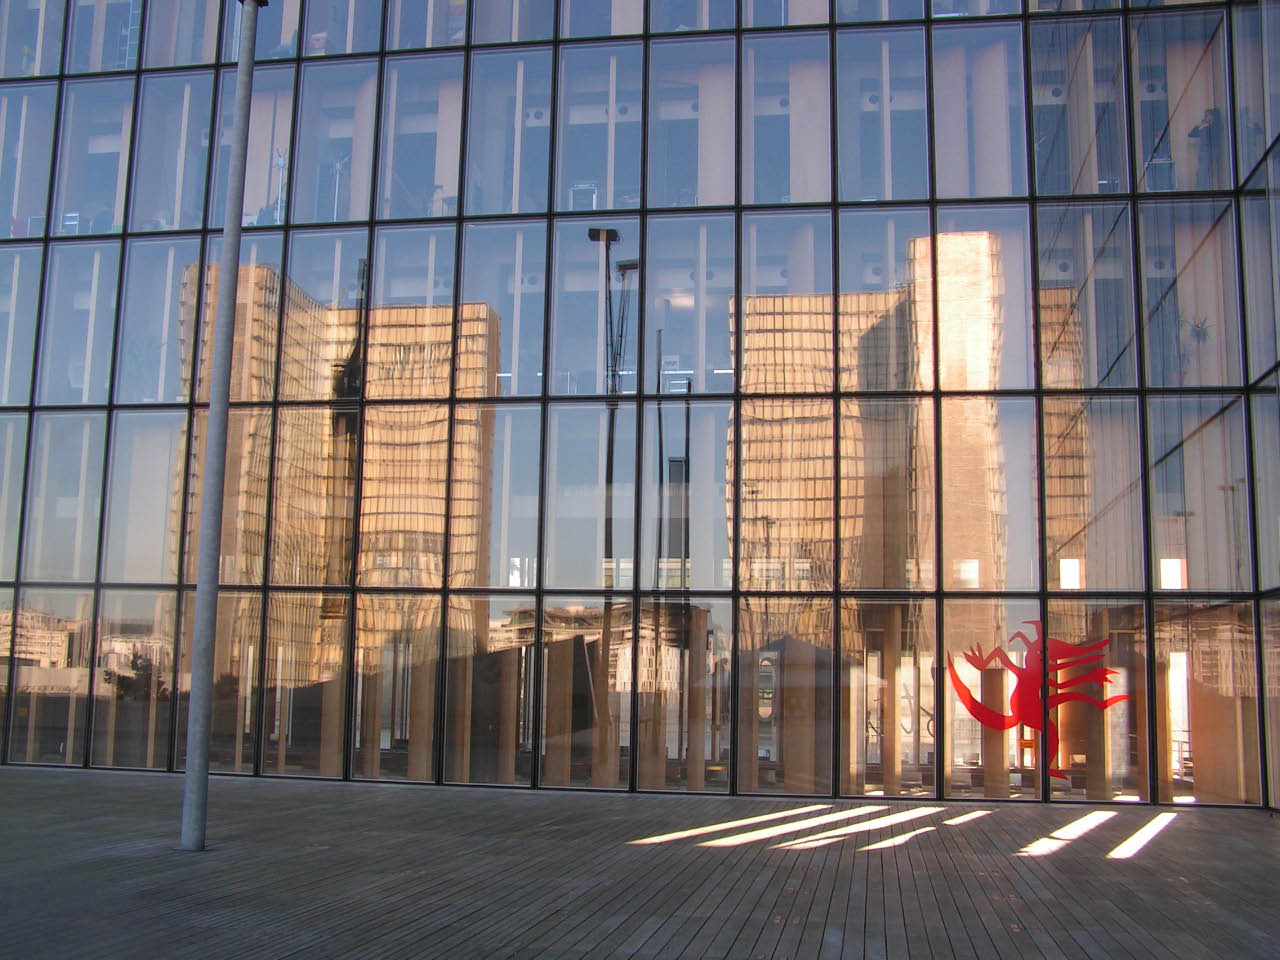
x=195, y=794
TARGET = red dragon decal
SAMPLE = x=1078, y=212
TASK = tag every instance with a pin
x=1025, y=704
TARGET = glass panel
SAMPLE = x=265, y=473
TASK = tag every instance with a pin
x=1266, y=465
x=267, y=159
x=1271, y=671
x=887, y=518
x=598, y=127
x=333, y=164
x=1190, y=310
x=1182, y=141
x=685, y=509
x=397, y=659
x=277, y=34
x=1271, y=33
x=670, y=15
x=411, y=324
x=594, y=18
x=144, y=497
x=1093, y=493
x=691, y=120
x=313, y=499
x=64, y=496
x=161, y=283
x=786, y=540
x=31, y=37
x=13, y=455
x=170, y=152
x=1206, y=703
x=504, y=272
x=586, y=691
x=488, y=722
x=687, y=347
x=52, y=647
x=6, y=635
x=594, y=310
x=1260, y=251
x=244, y=495
x=886, y=300
x=856, y=10
x=784, y=695
x=103, y=35
x=323, y=313
x=79, y=313
x=19, y=292
x=509, y=126
x=989, y=506
x=590, y=497
x=887, y=701
x=1199, y=493
x=786, y=119
x=1251, y=71
x=979, y=139
x=341, y=26
x=304, y=688
x=786, y=303
x=1086, y=296
x=781, y=13
x=984, y=298
x=402, y=496
x=181, y=32
x=26, y=138
x=508, y=21
x=421, y=137
x=884, y=137
x=133, y=677
x=493, y=520
x=993, y=734
x=93, y=152
x=237, y=640
x=1058, y=6
x=684, y=680
x=426, y=23
x=253, y=357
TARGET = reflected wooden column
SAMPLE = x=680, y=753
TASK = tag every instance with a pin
x=995, y=753
x=558, y=708
x=422, y=713
x=748, y=710
x=508, y=713
x=890, y=729
x=465, y=645
x=696, y=729
x=604, y=743
x=795, y=705
x=371, y=712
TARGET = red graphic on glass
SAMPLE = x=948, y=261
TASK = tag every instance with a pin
x=1025, y=704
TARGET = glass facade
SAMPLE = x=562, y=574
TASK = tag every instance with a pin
x=828, y=397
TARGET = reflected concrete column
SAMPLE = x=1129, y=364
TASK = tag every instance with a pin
x=995, y=753
x=1164, y=724
x=558, y=711
x=366, y=101
x=448, y=138
x=951, y=120
x=809, y=95
x=992, y=165
x=1082, y=124
x=1190, y=70
x=715, y=131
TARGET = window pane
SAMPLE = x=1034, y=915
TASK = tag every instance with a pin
x=172, y=146
x=397, y=659
x=304, y=690
x=493, y=523
x=1266, y=465
x=411, y=323
x=336, y=27
x=1086, y=296
x=253, y=356
x=133, y=674
x=979, y=140
x=595, y=306
x=509, y=132
x=887, y=519
x=1093, y=493
x=786, y=303
x=586, y=644
x=277, y=34
x=267, y=157
x=884, y=137
x=13, y=455
x=598, y=127
x=313, y=499
x=590, y=495
x=685, y=536
x=1206, y=703
x=421, y=136
x=784, y=695
x=52, y=647
x=984, y=298
x=64, y=496
x=782, y=13
x=992, y=659
x=1259, y=249
x=26, y=137
x=989, y=481
x=1271, y=670
x=1189, y=298
x=508, y=21
x=157, y=320
x=489, y=689
x=6, y=613
x=787, y=531
x=79, y=313
x=683, y=719
x=333, y=164
x=689, y=282
x=852, y=11
x=1060, y=6
x=93, y=151
x=19, y=292
x=103, y=35
x=1199, y=493
x=426, y=23
x=144, y=497
x=670, y=15
x=886, y=300
x=786, y=119
x=181, y=32
x=31, y=37
x=887, y=738
x=402, y=496
x=594, y=18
